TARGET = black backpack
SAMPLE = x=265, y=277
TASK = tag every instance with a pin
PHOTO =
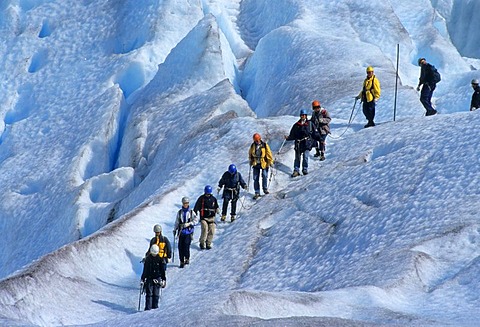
x=436, y=77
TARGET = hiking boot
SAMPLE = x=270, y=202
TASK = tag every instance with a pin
x=305, y=172
x=317, y=154
x=163, y=283
x=295, y=174
x=266, y=191
x=209, y=247
x=202, y=246
x=223, y=217
x=431, y=113
x=182, y=264
x=187, y=261
x=322, y=156
x=256, y=196
x=232, y=218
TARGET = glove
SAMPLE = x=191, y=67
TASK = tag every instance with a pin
x=245, y=187
x=174, y=233
x=357, y=98
x=218, y=189
x=418, y=88
x=187, y=224
x=143, y=260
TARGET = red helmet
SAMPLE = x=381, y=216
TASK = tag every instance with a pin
x=256, y=137
x=315, y=104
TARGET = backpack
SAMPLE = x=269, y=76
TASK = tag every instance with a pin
x=436, y=77
x=190, y=229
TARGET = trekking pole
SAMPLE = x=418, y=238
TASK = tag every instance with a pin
x=281, y=145
x=353, y=109
x=173, y=250
x=396, y=85
x=140, y=295
x=271, y=175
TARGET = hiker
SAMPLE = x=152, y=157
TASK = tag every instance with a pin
x=154, y=275
x=429, y=78
x=230, y=182
x=475, y=104
x=261, y=158
x=369, y=96
x=321, y=123
x=301, y=132
x=184, y=228
x=206, y=207
x=161, y=241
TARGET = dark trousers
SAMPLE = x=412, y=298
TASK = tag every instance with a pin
x=321, y=142
x=369, y=111
x=426, y=97
x=229, y=195
x=256, y=178
x=152, y=294
x=184, y=241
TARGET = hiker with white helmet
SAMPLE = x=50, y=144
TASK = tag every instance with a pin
x=475, y=104
x=184, y=228
x=164, y=248
x=154, y=268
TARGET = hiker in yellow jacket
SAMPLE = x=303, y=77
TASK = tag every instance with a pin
x=370, y=95
x=261, y=158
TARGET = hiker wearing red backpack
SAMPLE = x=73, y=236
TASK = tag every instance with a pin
x=261, y=158
x=321, y=122
x=207, y=207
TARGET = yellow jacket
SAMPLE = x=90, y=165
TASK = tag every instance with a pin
x=265, y=159
x=370, y=92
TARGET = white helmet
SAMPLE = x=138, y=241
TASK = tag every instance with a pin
x=157, y=229
x=185, y=200
x=475, y=81
x=154, y=249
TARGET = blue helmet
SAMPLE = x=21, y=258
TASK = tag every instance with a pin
x=232, y=169
x=303, y=112
x=208, y=189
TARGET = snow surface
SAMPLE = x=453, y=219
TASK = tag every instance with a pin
x=112, y=111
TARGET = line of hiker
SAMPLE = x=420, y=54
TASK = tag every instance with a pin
x=307, y=134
